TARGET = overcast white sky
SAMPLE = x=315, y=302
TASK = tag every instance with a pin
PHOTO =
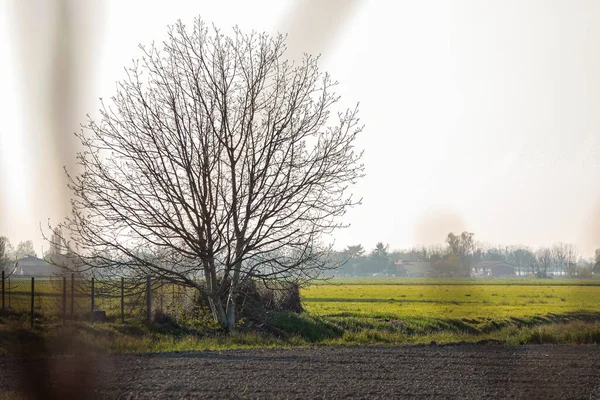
x=480, y=115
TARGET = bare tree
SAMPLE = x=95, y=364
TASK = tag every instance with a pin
x=462, y=247
x=55, y=247
x=522, y=258
x=543, y=261
x=428, y=253
x=564, y=258
x=25, y=249
x=217, y=159
x=6, y=254
x=4, y=243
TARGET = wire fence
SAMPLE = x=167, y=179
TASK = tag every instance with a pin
x=75, y=297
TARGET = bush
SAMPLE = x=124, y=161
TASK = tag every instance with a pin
x=258, y=299
x=255, y=302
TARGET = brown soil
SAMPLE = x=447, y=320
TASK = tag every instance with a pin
x=463, y=371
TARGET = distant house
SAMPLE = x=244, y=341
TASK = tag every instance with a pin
x=33, y=266
x=493, y=269
x=415, y=269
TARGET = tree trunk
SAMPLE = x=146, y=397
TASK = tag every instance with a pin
x=231, y=314
x=232, y=297
x=216, y=306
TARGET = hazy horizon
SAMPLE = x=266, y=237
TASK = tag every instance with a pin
x=479, y=117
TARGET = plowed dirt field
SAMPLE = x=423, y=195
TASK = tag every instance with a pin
x=460, y=371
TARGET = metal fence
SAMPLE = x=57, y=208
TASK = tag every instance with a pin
x=75, y=297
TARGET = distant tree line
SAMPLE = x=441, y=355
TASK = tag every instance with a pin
x=461, y=255
x=9, y=254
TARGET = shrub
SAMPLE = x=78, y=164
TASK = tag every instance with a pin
x=255, y=302
x=258, y=299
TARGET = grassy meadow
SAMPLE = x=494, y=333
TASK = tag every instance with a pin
x=442, y=300
x=401, y=310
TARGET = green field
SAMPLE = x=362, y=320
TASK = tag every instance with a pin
x=448, y=300
x=401, y=310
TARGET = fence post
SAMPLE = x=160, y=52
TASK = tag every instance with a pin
x=72, y=295
x=32, y=297
x=148, y=298
x=3, y=291
x=64, y=310
x=122, y=299
x=92, y=313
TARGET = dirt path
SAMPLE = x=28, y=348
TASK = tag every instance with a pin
x=464, y=371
